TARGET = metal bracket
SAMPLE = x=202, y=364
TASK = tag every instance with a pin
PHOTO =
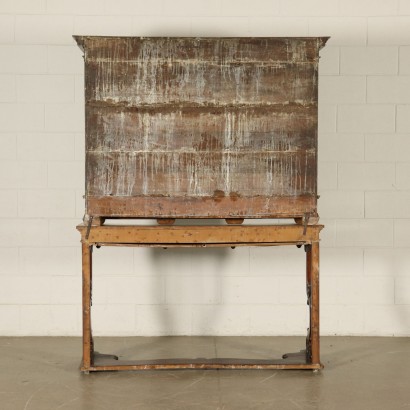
x=90, y=221
x=305, y=222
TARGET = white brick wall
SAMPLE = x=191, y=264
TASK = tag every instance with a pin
x=364, y=179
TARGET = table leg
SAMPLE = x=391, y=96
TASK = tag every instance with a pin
x=313, y=263
x=87, y=284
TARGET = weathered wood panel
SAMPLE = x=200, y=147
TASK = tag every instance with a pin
x=284, y=128
x=201, y=83
x=201, y=127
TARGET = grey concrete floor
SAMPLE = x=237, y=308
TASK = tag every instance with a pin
x=360, y=373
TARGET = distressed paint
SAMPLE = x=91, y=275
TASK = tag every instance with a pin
x=201, y=127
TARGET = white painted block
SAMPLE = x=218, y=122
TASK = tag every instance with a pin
x=35, y=320
x=193, y=8
x=79, y=204
x=168, y=262
x=386, y=262
x=403, y=174
x=145, y=263
x=79, y=142
x=343, y=31
x=341, y=204
x=113, y=320
x=366, y=176
x=66, y=290
x=235, y=263
x=327, y=118
x=49, y=320
x=366, y=118
x=386, y=320
x=389, y=30
x=23, y=232
x=292, y=290
x=66, y=174
x=65, y=60
x=378, y=291
x=162, y=26
x=164, y=320
x=10, y=261
x=278, y=26
x=277, y=261
x=23, y=6
x=46, y=204
x=343, y=262
x=369, y=60
x=64, y=117
x=192, y=290
x=279, y=320
x=7, y=88
x=103, y=25
x=219, y=26
x=250, y=290
x=6, y=28
x=21, y=59
x=343, y=290
x=9, y=320
x=401, y=232
x=113, y=261
x=133, y=7
x=65, y=320
x=45, y=88
x=62, y=232
x=404, y=7
x=387, y=147
x=342, y=89
x=404, y=60
x=143, y=290
x=387, y=204
x=342, y=320
x=341, y=147
x=8, y=143
x=329, y=61
x=214, y=262
x=368, y=8
x=403, y=118
x=45, y=147
x=311, y=8
x=11, y=116
x=328, y=290
x=8, y=202
x=51, y=261
x=402, y=290
x=79, y=90
x=20, y=290
x=327, y=176
x=388, y=89
x=231, y=8
x=364, y=232
x=23, y=174
x=220, y=320
x=328, y=234
x=44, y=29
x=75, y=7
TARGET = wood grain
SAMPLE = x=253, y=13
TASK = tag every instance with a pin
x=176, y=126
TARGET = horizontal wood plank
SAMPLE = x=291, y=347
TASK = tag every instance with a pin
x=201, y=234
x=217, y=206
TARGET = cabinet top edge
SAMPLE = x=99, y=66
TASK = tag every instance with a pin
x=81, y=39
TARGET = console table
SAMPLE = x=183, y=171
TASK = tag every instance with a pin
x=204, y=236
